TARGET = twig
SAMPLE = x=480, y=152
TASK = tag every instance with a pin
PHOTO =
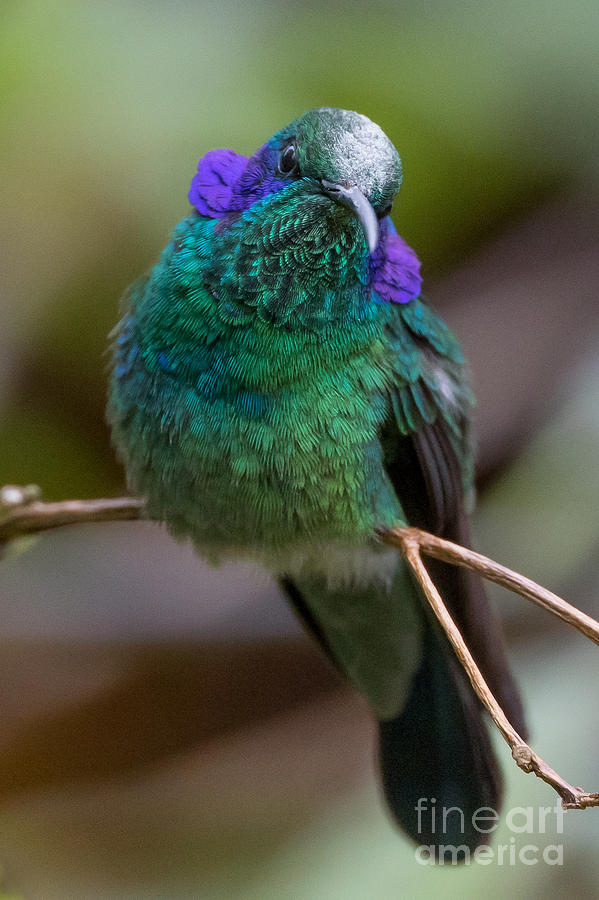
x=455, y=554
x=412, y=541
x=22, y=512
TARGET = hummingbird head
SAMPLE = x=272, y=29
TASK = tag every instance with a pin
x=335, y=153
x=348, y=157
x=302, y=236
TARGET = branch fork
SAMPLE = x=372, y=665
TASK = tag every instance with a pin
x=413, y=542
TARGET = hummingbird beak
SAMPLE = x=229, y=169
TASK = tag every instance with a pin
x=356, y=201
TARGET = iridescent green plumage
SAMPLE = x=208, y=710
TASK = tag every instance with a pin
x=263, y=415
x=271, y=402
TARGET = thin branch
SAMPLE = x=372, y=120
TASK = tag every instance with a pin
x=412, y=541
x=455, y=554
x=22, y=512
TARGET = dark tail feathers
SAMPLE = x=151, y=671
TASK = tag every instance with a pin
x=437, y=762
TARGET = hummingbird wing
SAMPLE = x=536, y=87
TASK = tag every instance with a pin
x=428, y=456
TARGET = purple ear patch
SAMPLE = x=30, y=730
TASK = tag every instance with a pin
x=395, y=269
x=258, y=178
x=211, y=188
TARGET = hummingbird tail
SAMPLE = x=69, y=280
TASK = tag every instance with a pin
x=438, y=765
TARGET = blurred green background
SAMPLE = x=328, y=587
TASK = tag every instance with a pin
x=167, y=729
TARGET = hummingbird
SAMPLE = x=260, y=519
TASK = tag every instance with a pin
x=281, y=392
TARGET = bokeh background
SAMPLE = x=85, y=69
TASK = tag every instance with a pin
x=167, y=729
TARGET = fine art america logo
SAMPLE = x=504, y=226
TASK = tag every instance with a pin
x=522, y=821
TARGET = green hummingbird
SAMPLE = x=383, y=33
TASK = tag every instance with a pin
x=279, y=391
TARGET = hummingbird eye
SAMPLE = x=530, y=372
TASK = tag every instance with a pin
x=288, y=164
